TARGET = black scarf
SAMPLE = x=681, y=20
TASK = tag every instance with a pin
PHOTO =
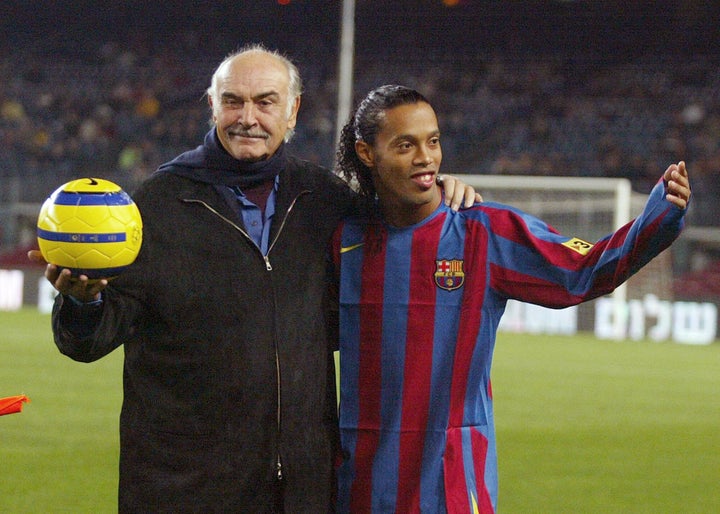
x=212, y=164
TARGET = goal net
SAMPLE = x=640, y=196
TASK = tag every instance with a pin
x=584, y=207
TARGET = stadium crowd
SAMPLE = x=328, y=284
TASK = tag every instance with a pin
x=120, y=115
x=118, y=109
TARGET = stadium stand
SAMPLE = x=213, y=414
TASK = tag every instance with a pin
x=118, y=103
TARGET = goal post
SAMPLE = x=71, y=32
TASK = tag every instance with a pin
x=584, y=207
x=608, y=194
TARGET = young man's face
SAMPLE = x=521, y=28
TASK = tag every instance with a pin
x=250, y=106
x=405, y=161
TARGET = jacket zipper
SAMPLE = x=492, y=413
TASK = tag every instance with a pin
x=268, y=267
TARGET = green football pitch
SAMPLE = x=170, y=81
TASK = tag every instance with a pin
x=583, y=425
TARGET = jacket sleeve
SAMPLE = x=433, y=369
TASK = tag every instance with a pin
x=86, y=333
x=531, y=262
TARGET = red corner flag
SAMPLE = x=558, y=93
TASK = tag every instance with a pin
x=12, y=404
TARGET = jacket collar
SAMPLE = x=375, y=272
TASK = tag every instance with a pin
x=212, y=164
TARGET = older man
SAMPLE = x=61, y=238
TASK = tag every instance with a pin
x=229, y=391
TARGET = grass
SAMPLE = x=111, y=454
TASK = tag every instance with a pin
x=583, y=425
x=61, y=453
x=595, y=426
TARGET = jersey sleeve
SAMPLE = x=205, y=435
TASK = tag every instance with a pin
x=531, y=262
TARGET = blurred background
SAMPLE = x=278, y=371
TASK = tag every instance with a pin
x=536, y=87
x=522, y=87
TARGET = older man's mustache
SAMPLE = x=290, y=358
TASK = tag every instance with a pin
x=248, y=133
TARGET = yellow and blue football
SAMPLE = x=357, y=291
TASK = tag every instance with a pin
x=90, y=226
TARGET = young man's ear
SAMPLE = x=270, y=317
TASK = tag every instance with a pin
x=365, y=153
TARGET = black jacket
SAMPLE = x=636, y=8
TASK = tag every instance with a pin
x=228, y=376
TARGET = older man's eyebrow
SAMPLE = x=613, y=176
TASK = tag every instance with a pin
x=273, y=95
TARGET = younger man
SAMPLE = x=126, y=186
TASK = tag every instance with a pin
x=422, y=290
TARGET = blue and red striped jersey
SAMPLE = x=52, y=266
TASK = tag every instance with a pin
x=419, y=310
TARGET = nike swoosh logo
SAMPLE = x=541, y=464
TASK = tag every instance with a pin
x=344, y=249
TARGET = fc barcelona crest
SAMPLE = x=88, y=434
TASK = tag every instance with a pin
x=449, y=274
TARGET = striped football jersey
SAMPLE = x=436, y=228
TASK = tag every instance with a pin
x=419, y=310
